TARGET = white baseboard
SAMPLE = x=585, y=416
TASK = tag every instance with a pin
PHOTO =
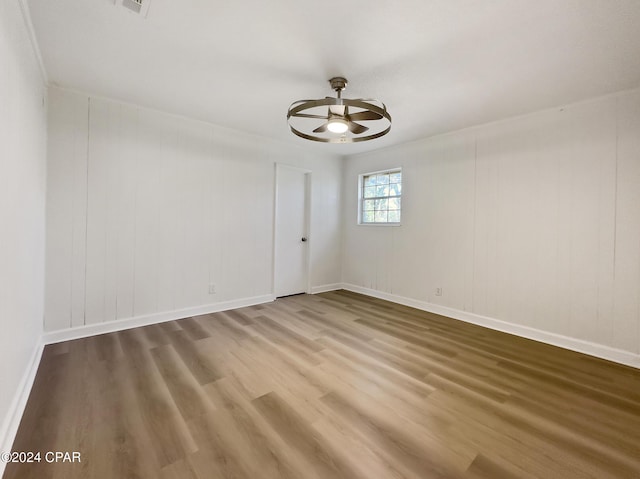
x=593, y=349
x=323, y=288
x=14, y=415
x=147, y=319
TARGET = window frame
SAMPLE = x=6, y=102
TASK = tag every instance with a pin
x=361, y=197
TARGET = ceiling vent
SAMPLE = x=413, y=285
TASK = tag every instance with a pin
x=141, y=7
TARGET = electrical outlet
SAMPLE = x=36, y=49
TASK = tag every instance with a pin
x=438, y=291
x=212, y=288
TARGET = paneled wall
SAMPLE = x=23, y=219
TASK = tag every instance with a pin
x=146, y=210
x=22, y=206
x=534, y=221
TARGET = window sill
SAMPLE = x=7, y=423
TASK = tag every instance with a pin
x=379, y=224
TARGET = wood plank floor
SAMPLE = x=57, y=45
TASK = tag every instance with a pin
x=336, y=385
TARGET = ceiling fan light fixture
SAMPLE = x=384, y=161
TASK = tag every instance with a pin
x=337, y=125
x=341, y=116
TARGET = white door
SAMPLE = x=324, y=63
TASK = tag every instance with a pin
x=291, y=230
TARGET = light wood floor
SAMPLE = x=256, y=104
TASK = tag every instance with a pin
x=336, y=385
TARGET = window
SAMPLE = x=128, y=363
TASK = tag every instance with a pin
x=379, y=197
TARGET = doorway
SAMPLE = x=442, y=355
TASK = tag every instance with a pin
x=291, y=231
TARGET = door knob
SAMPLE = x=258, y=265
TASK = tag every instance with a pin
x=304, y=239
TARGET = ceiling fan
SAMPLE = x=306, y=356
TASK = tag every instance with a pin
x=342, y=117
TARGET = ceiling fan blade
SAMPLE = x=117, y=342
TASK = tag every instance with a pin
x=322, y=128
x=356, y=128
x=306, y=115
x=365, y=115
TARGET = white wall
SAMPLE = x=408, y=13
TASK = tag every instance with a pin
x=22, y=205
x=146, y=209
x=534, y=221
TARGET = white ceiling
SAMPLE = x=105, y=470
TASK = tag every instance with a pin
x=439, y=65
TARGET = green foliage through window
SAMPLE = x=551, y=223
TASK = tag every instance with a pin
x=380, y=197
